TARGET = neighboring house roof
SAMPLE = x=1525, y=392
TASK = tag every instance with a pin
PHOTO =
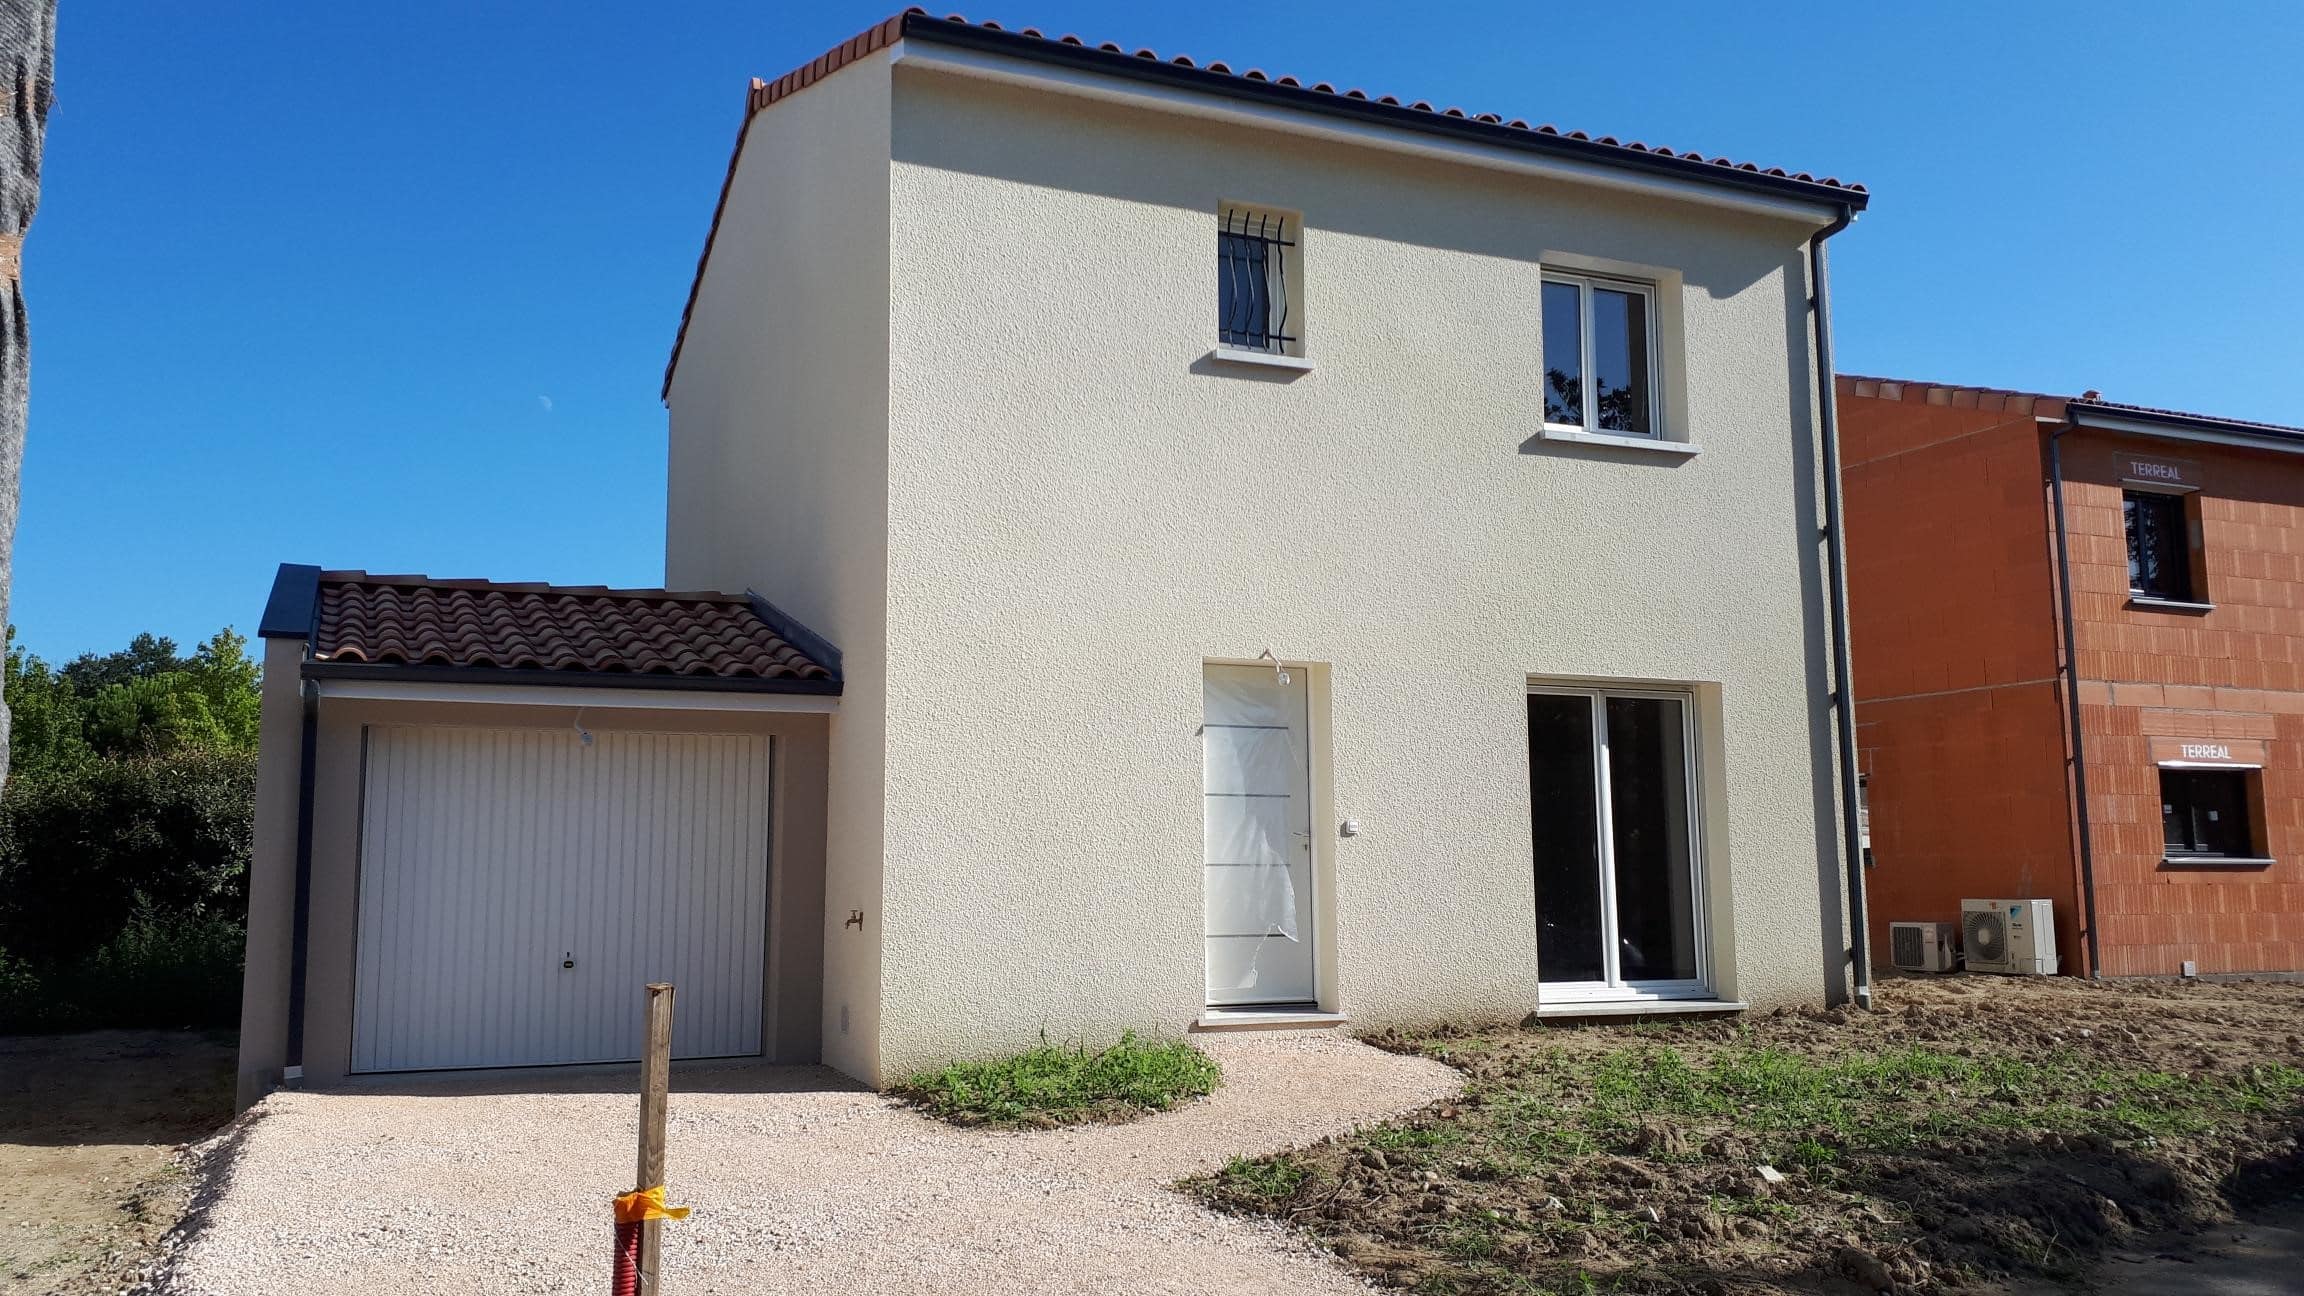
x=2088, y=408
x=1989, y=399
x=352, y=619
x=1216, y=77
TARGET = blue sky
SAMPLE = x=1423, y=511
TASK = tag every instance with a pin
x=392, y=286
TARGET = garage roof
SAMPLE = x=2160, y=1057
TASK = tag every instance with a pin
x=353, y=621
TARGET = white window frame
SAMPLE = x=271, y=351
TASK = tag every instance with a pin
x=1614, y=989
x=1584, y=284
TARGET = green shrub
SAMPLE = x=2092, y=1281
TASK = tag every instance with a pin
x=84, y=852
x=1049, y=1085
x=162, y=970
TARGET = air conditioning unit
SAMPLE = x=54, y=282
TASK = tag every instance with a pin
x=2016, y=937
x=1923, y=946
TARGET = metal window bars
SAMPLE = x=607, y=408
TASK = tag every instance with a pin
x=1252, y=307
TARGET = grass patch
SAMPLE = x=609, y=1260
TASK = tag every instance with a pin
x=1054, y=1085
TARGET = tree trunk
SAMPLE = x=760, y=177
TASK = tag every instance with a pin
x=28, y=62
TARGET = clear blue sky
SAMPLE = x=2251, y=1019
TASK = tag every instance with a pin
x=392, y=285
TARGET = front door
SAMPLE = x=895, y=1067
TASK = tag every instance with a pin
x=1256, y=780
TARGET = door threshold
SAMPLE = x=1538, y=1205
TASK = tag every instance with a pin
x=1572, y=1009
x=1233, y=1019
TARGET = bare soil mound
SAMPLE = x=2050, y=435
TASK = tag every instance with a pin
x=1969, y=1131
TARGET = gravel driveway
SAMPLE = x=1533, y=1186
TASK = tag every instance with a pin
x=801, y=1183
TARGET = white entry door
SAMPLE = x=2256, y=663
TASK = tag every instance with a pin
x=519, y=887
x=1256, y=781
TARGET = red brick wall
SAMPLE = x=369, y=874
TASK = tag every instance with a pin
x=1952, y=615
x=2235, y=673
x=1969, y=799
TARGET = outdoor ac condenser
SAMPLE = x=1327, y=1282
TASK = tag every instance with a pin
x=1923, y=946
x=2015, y=937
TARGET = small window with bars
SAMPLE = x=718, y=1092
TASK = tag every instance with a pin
x=1259, y=282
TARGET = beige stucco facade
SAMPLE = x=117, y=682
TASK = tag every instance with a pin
x=945, y=396
x=792, y=981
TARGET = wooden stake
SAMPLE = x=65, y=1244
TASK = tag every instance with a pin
x=655, y=1090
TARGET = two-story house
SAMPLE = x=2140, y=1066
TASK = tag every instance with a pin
x=2079, y=633
x=1242, y=552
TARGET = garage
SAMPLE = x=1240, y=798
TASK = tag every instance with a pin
x=516, y=884
x=489, y=814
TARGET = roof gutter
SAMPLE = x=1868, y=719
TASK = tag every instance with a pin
x=2071, y=673
x=1144, y=84
x=1836, y=561
x=1255, y=88
x=2172, y=426
x=332, y=670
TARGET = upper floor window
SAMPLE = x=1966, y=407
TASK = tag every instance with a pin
x=1599, y=355
x=2159, y=546
x=1259, y=284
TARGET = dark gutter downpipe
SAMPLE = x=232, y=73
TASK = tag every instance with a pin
x=293, y=612
x=2071, y=673
x=300, y=941
x=1836, y=559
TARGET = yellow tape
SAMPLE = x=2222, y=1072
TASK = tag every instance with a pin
x=646, y=1204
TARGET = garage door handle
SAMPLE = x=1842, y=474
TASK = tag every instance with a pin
x=567, y=961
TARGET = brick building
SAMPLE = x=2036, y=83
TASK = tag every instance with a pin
x=2171, y=603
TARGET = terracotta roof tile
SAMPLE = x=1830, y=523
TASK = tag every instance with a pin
x=920, y=23
x=2009, y=401
x=418, y=621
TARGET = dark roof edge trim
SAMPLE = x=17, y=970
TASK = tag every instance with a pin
x=2182, y=427
x=293, y=610
x=927, y=27
x=789, y=628
x=565, y=679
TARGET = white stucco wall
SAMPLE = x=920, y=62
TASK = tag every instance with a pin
x=778, y=475
x=944, y=399
x=1080, y=511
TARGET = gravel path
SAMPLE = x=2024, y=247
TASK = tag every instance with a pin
x=800, y=1183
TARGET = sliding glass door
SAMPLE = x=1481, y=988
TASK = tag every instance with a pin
x=1619, y=900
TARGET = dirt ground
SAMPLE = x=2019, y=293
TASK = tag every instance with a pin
x=1973, y=1133
x=89, y=1128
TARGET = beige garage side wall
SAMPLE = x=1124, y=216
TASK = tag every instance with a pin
x=778, y=469
x=793, y=991
x=272, y=874
x=1082, y=511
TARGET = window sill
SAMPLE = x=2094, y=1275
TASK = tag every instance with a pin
x=1653, y=445
x=2215, y=862
x=1639, y=1007
x=2147, y=603
x=1259, y=359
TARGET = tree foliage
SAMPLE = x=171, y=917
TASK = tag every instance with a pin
x=144, y=700
x=125, y=830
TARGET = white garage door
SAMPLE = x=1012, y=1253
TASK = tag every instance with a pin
x=518, y=888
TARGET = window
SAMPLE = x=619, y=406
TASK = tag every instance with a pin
x=2206, y=814
x=1612, y=791
x=1599, y=355
x=2159, y=546
x=1258, y=286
